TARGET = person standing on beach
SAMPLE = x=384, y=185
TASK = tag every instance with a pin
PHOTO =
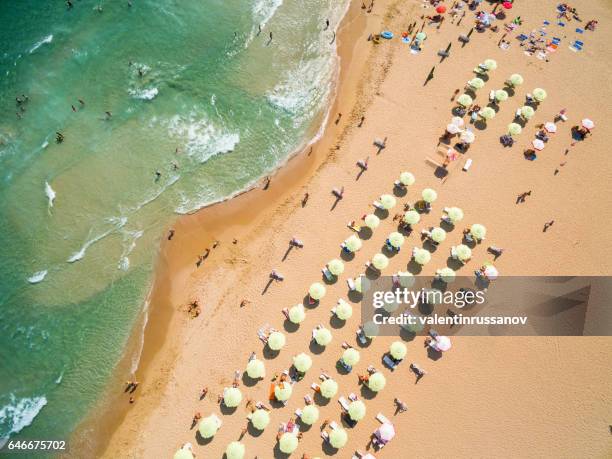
x=548, y=225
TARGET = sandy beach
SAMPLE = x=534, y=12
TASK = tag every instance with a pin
x=488, y=396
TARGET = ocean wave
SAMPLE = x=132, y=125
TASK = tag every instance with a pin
x=144, y=94
x=118, y=222
x=129, y=243
x=50, y=194
x=155, y=195
x=18, y=414
x=37, y=277
x=38, y=44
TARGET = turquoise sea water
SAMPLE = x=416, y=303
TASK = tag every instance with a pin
x=196, y=94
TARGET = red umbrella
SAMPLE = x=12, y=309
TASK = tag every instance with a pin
x=507, y=5
x=441, y=9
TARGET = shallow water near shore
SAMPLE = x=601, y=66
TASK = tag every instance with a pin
x=195, y=93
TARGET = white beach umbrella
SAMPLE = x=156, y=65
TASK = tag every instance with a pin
x=386, y=432
x=288, y=443
x=396, y=239
x=317, y=291
x=550, y=127
x=429, y=195
x=372, y=221
x=256, y=369
x=457, y=121
x=276, y=341
x=353, y=243
x=336, y=267
x=587, y=124
x=411, y=217
x=302, y=362
x=406, y=178
x=452, y=128
x=467, y=136
x=443, y=343
x=351, y=356
x=491, y=272
x=344, y=311
x=323, y=336
x=387, y=201
x=297, y=314
x=380, y=261
x=538, y=144
x=398, y=350
x=329, y=388
x=235, y=450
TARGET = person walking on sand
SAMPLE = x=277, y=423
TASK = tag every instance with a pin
x=170, y=234
x=338, y=193
x=363, y=164
x=305, y=199
x=548, y=225
x=496, y=251
x=361, y=121
x=521, y=197
x=401, y=406
x=338, y=118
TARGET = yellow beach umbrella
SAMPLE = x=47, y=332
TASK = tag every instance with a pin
x=464, y=100
x=336, y=267
x=302, y=362
x=377, y=382
x=406, y=178
x=478, y=231
x=527, y=112
x=487, y=113
x=380, y=261
x=329, y=388
x=422, y=256
x=276, y=341
x=396, y=239
x=490, y=64
x=317, y=291
x=235, y=450
x=515, y=79
x=353, y=243
x=501, y=95
x=297, y=314
x=514, y=129
x=372, y=221
x=446, y=275
x=370, y=329
x=438, y=235
x=412, y=217
x=338, y=437
x=283, y=391
x=429, y=195
x=255, y=369
x=455, y=214
x=476, y=83
x=288, y=443
x=232, y=397
x=183, y=453
x=463, y=252
x=539, y=94
x=387, y=201
x=209, y=426
x=260, y=419
x=398, y=350
x=344, y=311
x=323, y=336
x=357, y=410
x=351, y=356
x=406, y=279
x=310, y=414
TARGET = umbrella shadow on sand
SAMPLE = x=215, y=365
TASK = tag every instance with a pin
x=365, y=233
x=346, y=256
x=253, y=432
x=432, y=354
x=381, y=213
x=414, y=268
x=480, y=125
x=248, y=381
x=400, y=191
x=201, y=440
x=269, y=354
x=290, y=327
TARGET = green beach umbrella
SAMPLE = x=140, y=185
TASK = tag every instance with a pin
x=487, y=113
x=476, y=83
x=387, y=201
x=351, y=356
x=344, y=310
x=455, y=214
x=501, y=95
x=406, y=178
x=429, y=195
x=422, y=256
x=539, y=94
x=490, y=64
x=232, y=397
x=336, y=267
x=463, y=252
x=357, y=410
x=398, y=350
x=302, y=362
x=208, y=426
x=255, y=369
x=464, y=100
x=235, y=450
x=260, y=419
x=514, y=129
x=527, y=112
x=377, y=382
x=438, y=235
x=329, y=388
x=478, y=231
x=396, y=239
x=297, y=314
x=411, y=217
x=406, y=279
x=372, y=221
x=288, y=443
x=183, y=453
x=338, y=437
x=370, y=329
x=353, y=243
x=420, y=36
x=276, y=341
x=515, y=79
x=316, y=291
x=323, y=336
x=310, y=414
x=380, y=261
x=446, y=275
x=283, y=391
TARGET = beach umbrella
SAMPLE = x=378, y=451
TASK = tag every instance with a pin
x=316, y=291
x=372, y=221
x=587, y=124
x=260, y=419
x=457, y=120
x=489, y=64
x=235, y=450
x=276, y=341
x=411, y=217
x=288, y=443
x=361, y=283
x=209, y=426
x=406, y=178
x=357, y=410
x=538, y=144
x=463, y=252
x=455, y=214
x=438, y=235
x=478, y=231
x=420, y=36
x=441, y=9
x=464, y=100
x=452, y=128
x=398, y=350
x=390, y=306
x=446, y=275
x=336, y=267
x=338, y=437
x=487, y=113
x=297, y=314
x=507, y=5
x=467, y=136
x=514, y=129
x=344, y=310
x=491, y=272
x=501, y=95
x=310, y=414
x=415, y=327
x=255, y=369
x=329, y=388
x=377, y=382
x=380, y=261
x=183, y=453
x=443, y=343
x=283, y=391
x=351, y=356
x=406, y=279
x=539, y=94
x=476, y=83
x=232, y=397
x=370, y=329
x=550, y=127
x=353, y=243
x=323, y=336
x=515, y=79
x=386, y=432
x=429, y=195
x=527, y=112
x=387, y=201
x=422, y=256
x=302, y=362
x=396, y=239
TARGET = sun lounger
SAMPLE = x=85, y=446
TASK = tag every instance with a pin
x=467, y=165
x=399, y=184
x=343, y=403
x=378, y=205
x=298, y=413
x=382, y=419
x=351, y=284
x=389, y=362
x=308, y=399
x=328, y=275
x=361, y=337
x=325, y=436
x=491, y=95
x=315, y=387
x=333, y=425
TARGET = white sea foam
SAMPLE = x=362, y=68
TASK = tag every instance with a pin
x=50, y=194
x=144, y=94
x=38, y=44
x=18, y=414
x=263, y=11
x=37, y=277
x=45, y=144
x=59, y=379
x=118, y=223
x=129, y=243
x=138, y=354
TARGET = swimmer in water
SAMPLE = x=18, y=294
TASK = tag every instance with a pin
x=157, y=176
